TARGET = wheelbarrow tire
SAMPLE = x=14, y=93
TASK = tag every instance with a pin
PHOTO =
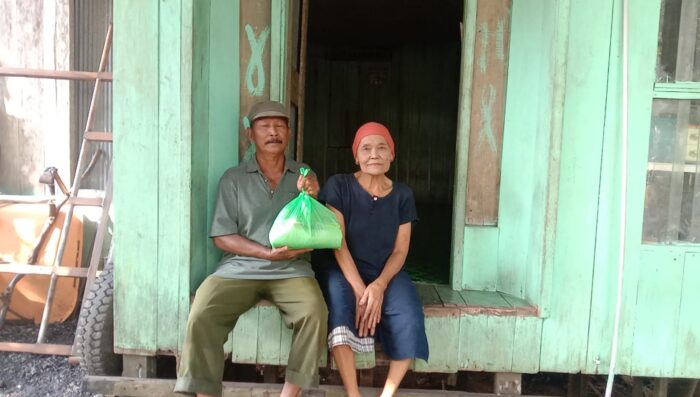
x=95, y=333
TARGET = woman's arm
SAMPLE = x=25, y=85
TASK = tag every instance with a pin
x=239, y=245
x=349, y=269
x=373, y=296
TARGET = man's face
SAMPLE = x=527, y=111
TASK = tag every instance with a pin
x=270, y=134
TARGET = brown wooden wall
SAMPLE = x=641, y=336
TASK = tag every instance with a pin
x=412, y=90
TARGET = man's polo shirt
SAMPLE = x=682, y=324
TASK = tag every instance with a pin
x=247, y=205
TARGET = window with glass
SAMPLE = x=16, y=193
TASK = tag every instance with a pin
x=672, y=196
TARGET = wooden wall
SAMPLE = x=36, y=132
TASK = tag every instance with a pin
x=412, y=90
x=175, y=129
x=171, y=138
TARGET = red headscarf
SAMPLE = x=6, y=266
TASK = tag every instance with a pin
x=372, y=128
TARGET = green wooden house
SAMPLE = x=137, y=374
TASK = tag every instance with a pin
x=510, y=118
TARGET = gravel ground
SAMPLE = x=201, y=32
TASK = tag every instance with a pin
x=34, y=375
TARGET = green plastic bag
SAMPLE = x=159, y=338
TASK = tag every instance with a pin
x=305, y=223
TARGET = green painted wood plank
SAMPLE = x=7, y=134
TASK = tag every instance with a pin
x=173, y=177
x=364, y=361
x=472, y=349
x=538, y=287
x=514, y=301
x=443, y=334
x=245, y=337
x=627, y=316
x=228, y=345
x=565, y=337
x=481, y=258
x=186, y=110
x=200, y=144
x=428, y=295
x=486, y=343
x=285, y=344
x=525, y=146
x=484, y=299
x=500, y=341
x=223, y=103
x=657, y=313
x=687, y=352
x=644, y=20
x=607, y=233
x=136, y=189
x=457, y=256
x=448, y=296
x=527, y=343
x=269, y=335
x=675, y=95
x=678, y=86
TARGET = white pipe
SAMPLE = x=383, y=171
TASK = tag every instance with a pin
x=623, y=199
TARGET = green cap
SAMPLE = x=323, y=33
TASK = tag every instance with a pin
x=267, y=109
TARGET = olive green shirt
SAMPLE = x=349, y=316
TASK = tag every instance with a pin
x=247, y=205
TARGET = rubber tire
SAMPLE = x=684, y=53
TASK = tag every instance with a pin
x=94, y=336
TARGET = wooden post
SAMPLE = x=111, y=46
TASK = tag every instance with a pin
x=660, y=387
x=578, y=385
x=505, y=383
x=366, y=377
x=139, y=366
x=487, y=110
x=270, y=374
x=255, y=61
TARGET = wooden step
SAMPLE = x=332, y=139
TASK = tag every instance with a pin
x=61, y=271
x=36, y=348
x=115, y=385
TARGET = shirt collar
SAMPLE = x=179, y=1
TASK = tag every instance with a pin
x=253, y=166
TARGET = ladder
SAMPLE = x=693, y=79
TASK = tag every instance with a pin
x=72, y=200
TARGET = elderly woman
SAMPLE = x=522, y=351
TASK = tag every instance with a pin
x=367, y=292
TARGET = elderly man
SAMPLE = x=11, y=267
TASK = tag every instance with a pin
x=250, y=196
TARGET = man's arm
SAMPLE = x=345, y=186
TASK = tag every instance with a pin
x=239, y=245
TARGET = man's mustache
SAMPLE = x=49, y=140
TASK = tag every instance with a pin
x=273, y=140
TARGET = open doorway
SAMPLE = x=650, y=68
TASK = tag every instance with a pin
x=397, y=63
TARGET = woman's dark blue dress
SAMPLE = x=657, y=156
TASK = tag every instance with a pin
x=371, y=227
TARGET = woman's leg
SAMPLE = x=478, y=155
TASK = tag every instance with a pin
x=397, y=370
x=345, y=360
x=341, y=306
x=401, y=330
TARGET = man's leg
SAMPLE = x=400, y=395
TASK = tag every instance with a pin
x=303, y=309
x=217, y=305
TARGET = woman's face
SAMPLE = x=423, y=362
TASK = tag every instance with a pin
x=374, y=155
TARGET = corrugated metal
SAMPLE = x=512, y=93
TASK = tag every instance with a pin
x=89, y=22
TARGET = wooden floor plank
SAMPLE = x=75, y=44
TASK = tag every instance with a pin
x=484, y=299
x=513, y=301
x=449, y=297
x=428, y=295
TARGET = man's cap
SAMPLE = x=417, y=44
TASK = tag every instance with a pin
x=267, y=109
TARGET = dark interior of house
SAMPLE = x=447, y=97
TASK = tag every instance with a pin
x=397, y=63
